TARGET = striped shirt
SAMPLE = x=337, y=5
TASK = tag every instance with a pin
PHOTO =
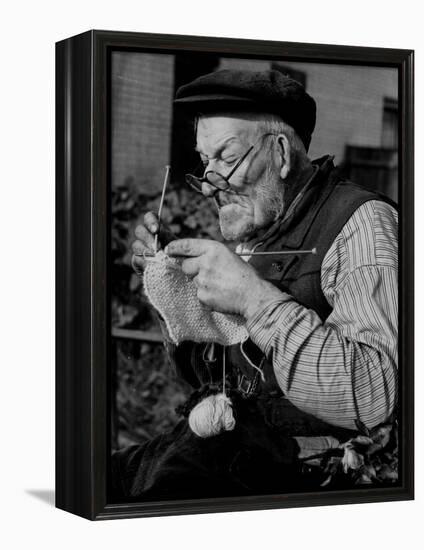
x=345, y=368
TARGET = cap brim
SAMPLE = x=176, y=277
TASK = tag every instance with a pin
x=213, y=98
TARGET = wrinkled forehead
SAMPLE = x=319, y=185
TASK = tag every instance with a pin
x=212, y=128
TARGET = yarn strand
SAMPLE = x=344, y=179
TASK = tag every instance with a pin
x=214, y=414
x=252, y=364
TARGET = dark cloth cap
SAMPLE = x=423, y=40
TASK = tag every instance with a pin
x=262, y=91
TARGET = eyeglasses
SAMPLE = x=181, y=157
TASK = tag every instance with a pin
x=217, y=180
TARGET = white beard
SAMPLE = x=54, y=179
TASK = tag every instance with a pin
x=240, y=221
x=235, y=222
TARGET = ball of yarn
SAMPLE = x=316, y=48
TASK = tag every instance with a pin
x=212, y=415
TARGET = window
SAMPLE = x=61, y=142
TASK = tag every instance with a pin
x=389, y=134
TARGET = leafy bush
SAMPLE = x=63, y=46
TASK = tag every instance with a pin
x=146, y=393
x=186, y=213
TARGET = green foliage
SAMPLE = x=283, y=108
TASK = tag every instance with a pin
x=370, y=459
x=146, y=393
x=186, y=213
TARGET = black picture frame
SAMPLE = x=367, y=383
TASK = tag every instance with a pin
x=82, y=243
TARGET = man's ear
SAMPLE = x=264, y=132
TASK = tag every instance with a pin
x=284, y=151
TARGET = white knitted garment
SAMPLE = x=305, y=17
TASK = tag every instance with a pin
x=174, y=296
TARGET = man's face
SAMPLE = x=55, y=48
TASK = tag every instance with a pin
x=221, y=141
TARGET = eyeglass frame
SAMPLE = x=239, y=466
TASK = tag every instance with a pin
x=226, y=179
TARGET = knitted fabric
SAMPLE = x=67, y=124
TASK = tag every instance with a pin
x=174, y=296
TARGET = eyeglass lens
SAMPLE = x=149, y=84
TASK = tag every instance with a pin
x=213, y=178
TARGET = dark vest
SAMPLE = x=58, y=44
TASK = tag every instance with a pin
x=326, y=206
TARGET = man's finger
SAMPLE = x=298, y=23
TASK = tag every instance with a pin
x=144, y=236
x=138, y=263
x=189, y=247
x=190, y=267
x=139, y=247
x=151, y=222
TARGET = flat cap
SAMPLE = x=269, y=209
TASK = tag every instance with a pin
x=262, y=91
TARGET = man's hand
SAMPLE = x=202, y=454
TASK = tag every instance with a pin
x=224, y=282
x=145, y=234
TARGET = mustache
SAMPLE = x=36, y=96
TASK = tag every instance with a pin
x=223, y=199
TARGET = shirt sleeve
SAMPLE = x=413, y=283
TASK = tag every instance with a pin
x=344, y=369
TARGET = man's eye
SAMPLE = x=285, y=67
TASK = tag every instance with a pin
x=230, y=160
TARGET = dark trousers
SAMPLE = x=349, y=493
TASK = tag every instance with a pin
x=257, y=457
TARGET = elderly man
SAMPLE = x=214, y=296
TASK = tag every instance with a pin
x=321, y=357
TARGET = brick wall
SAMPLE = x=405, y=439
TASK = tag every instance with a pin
x=349, y=105
x=142, y=92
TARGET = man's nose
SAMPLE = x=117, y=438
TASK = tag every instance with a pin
x=208, y=190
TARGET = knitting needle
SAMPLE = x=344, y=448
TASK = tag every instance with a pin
x=270, y=253
x=277, y=252
x=162, y=199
